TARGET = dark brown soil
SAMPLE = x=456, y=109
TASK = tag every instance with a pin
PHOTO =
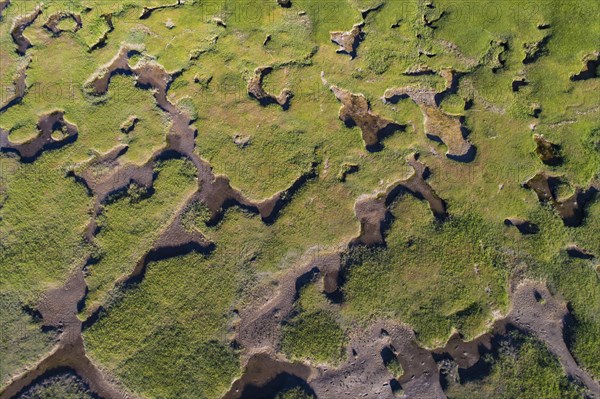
x=439, y=125
x=3, y=5
x=356, y=111
x=548, y=152
x=348, y=41
x=256, y=90
x=59, y=308
x=372, y=211
x=147, y=11
x=19, y=26
x=19, y=90
x=572, y=209
x=591, y=62
x=47, y=125
x=265, y=376
x=55, y=19
x=524, y=226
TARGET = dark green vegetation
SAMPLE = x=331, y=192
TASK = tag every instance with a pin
x=521, y=367
x=172, y=334
x=63, y=385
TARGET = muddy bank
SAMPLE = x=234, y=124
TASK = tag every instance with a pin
x=215, y=191
x=3, y=6
x=524, y=226
x=59, y=307
x=101, y=42
x=591, y=63
x=439, y=125
x=372, y=211
x=348, y=41
x=547, y=151
x=18, y=29
x=105, y=175
x=147, y=11
x=19, y=88
x=265, y=376
x=256, y=90
x=571, y=209
x=58, y=378
x=48, y=125
x=52, y=24
x=356, y=111
x=260, y=326
x=148, y=74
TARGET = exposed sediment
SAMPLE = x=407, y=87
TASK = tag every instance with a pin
x=534, y=310
x=547, y=151
x=591, y=63
x=348, y=41
x=356, y=111
x=18, y=29
x=48, y=125
x=265, y=376
x=53, y=22
x=59, y=308
x=524, y=226
x=147, y=11
x=256, y=90
x=20, y=87
x=571, y=209
x=372, y=211
x=439, y=125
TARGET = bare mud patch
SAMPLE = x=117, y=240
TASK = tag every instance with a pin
x=372, y=211
x=356, y=111
x=47, y=126
x=18, y=29
x=439, y=125
x=571, y=209
x=591, y=63
x=54, y=20
x=256, y=90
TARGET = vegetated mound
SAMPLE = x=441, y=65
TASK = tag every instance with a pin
x=60, y=383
